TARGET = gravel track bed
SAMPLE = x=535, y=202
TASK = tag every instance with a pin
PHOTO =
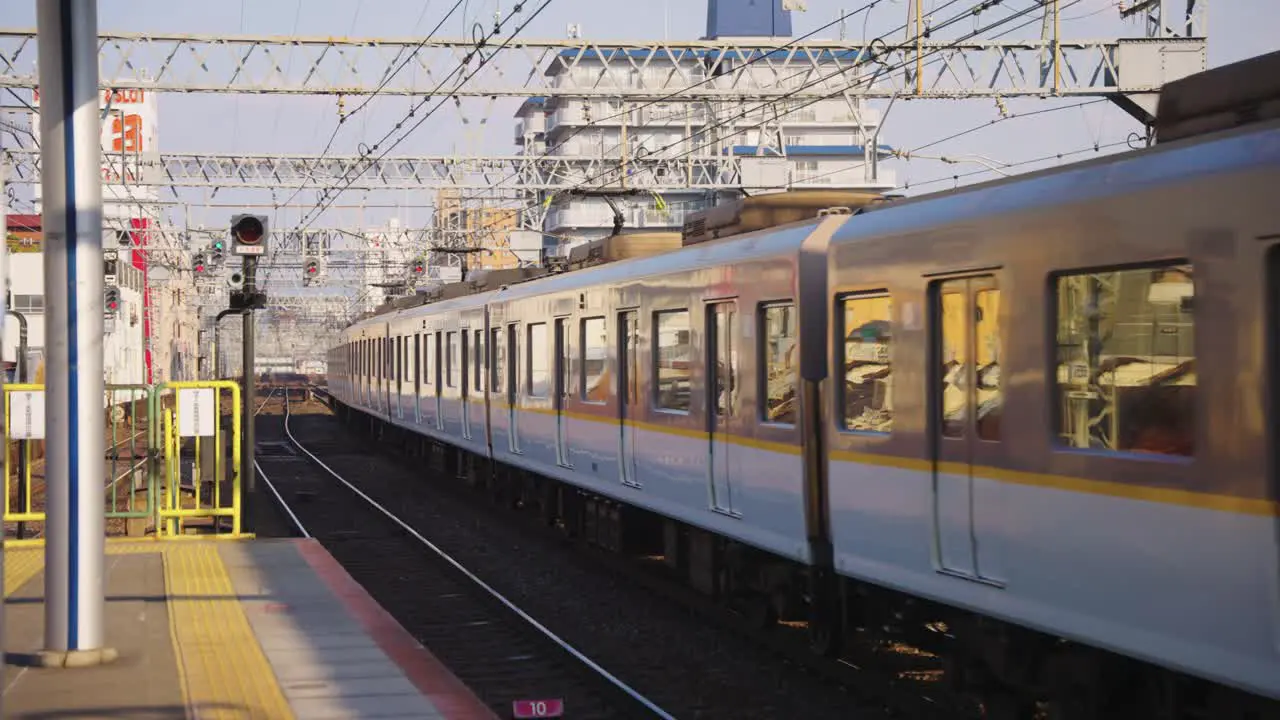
x=689, y=667
x=497, y=655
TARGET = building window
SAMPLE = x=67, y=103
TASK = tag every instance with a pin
x=28, y=304
x=594, y=344
x=1126, y=373
x=868, y=383
x=781, y=363
x=673, y=366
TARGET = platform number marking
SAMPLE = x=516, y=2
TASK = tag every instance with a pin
x=526, y=709
x=195, y=412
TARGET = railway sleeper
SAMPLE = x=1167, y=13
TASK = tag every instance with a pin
x=1010, y=672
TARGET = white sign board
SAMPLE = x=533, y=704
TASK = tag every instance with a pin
x=26, y=415
x=196, y=416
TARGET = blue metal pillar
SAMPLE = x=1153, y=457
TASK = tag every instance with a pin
x=71, y=166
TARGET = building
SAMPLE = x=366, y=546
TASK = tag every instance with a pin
x=487, y=230
x=123, y=342
x=781, y=146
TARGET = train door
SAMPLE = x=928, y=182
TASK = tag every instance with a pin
x=384, y=363
x=562, y=391
x=513, y=395
x=417, y=377
x=628, y=395
x=435, y=376
x=722, y=381
x=464, y=399
x=967, y=408
x=479, y=385
x=398, y=374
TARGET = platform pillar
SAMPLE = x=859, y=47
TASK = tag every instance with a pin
x=71, y=165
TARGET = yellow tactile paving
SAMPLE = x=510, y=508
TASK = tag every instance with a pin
x=20, y=565
x=223, y=671
x=218, y=655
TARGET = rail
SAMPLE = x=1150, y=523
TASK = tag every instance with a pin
x=539, y=627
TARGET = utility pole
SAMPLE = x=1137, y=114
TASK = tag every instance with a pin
x=250, y=234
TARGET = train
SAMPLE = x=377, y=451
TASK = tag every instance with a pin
x=1029, y=423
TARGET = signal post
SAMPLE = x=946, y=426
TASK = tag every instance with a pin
x=249, y=233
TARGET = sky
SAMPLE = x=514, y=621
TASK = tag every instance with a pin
x=260, y=124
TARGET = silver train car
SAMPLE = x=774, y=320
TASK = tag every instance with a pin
x=1039, y=413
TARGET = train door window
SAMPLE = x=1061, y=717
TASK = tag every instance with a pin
x=563, y=357
x=539, y=379
x=399, y=362
x=428, y=354
x=513, y=361
x=1125, y=368
x=564, y=354
x=465, y=355
x=497, y=363
x=867, y=380
x=417, y=364
x=451, y=359
x=595, y=354
x=781, y=363
x=479, y=361
x=673, y=352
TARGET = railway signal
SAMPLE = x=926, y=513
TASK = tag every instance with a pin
x=311, y=272
x=218, y=251
x=198, y=263
x=250, y=234
x=111, y=299
x=418, y=267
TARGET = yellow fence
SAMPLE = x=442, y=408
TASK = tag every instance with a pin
x=200, y=495
x=168, y=471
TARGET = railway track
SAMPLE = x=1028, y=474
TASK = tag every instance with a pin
x=488, y=641
x=670, y=642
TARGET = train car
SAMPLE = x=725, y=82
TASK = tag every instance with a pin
x=810, y=417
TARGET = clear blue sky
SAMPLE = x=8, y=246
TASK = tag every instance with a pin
x=267, y=124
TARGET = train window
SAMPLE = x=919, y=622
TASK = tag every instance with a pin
x=451, y=359
x=672, y=366
x=867, y=390
x=498, y=362
x=478, y=348
x=594, y=344
x=1125, y=375
x=563, y=357
x=986, y=351
x=538, y=380
x=399, y=363
x=781, y=363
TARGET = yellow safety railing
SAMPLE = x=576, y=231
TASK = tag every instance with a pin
x=174, y=513
x=19, y=459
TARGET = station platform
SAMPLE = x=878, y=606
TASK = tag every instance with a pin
x=234, y=629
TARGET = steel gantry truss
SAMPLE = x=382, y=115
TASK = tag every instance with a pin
x=195, y=63
x=501, y=176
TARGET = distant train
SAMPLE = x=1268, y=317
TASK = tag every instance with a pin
x=1031, y=423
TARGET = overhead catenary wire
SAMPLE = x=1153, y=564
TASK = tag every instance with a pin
x=971, y=11
x=329, y=195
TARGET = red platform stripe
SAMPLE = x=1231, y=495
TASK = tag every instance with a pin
x=454, y=699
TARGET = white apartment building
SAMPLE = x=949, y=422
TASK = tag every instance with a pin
x=799, y=144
